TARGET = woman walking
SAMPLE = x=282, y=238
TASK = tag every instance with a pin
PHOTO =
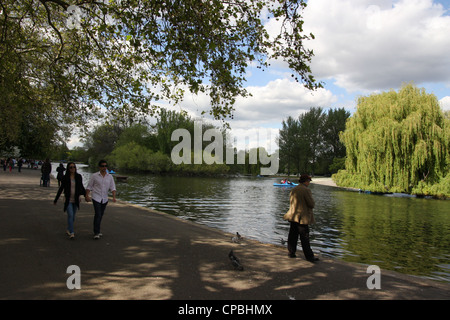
x=72, y=185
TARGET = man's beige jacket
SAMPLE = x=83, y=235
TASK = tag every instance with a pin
x=301, y=206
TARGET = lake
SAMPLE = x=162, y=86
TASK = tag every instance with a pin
x=407, y=235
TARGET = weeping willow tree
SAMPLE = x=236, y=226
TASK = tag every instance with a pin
x=398, y=142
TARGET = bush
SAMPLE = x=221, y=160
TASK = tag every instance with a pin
x=439, y=190
x=134, y=157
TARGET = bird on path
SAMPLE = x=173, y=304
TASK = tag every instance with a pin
x=235, y=261
x=237, y=238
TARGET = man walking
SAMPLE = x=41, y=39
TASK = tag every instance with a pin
x=99, y=184
x=300, y=215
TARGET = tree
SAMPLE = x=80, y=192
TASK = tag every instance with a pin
x=311, y=142
x=101, y=142
x=311, y=133
x=333, y=125
x=139, y=133
x=333, y=153
x=167, y=122
x=395, y=141
x=78, y=59
x=287, y=142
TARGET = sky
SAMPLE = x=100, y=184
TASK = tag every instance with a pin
x=361, y=47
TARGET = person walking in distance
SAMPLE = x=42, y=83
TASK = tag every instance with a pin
x=99, y=184
x=300, y=216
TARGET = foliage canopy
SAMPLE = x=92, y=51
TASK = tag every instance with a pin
x=68, y=59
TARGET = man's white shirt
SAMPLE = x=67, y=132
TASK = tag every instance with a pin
x=100, y=185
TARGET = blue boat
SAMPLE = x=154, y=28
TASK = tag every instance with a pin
x=285, y=184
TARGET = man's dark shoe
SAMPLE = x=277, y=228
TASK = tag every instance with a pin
x=292, y=255
x=313, y=260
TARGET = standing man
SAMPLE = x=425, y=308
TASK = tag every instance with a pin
x=300, y=215
x=46, y=169
x=100, y=183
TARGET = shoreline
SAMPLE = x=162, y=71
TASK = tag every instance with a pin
x=147, y=254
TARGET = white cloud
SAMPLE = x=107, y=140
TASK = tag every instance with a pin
x=270, y=103
x=74, y=141
x=249, y=137
x=258, y=118
x=445, y=103
x=278, y=99
x=370, y=45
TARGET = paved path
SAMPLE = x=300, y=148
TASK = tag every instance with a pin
x=150, y=255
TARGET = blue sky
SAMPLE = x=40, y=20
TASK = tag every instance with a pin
x=361, y=47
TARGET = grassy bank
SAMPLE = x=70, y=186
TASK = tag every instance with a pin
x=440, y=190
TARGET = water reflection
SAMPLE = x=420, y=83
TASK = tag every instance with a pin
x=402, y=234
x=407, y=235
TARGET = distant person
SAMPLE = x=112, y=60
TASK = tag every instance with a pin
x=300, y=216
x=11, y=164
x=72, y=185
x=60, y=174
x=99, y=184
x=46, y=169
x=19, y=165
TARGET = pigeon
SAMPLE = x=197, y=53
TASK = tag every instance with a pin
x=237, y=238
x=283, y=242
x=235, y=261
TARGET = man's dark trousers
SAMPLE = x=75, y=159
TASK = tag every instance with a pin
x=295, y=230
x=99, y=209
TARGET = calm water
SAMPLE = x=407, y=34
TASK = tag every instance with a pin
x=407, y=235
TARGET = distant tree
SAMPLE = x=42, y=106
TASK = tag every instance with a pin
x=333, y=125
x=333, y=153
x=288, y=143
x=140, y=134
x=311, y=133
x=101, y=142
x=311, y=142
x=167, y=122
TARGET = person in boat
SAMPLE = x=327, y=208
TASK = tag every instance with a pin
x=300, y=216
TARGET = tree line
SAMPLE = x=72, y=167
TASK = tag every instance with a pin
x=147, y=148
x=309, y=143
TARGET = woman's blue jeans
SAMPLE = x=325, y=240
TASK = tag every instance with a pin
x=71, y=211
